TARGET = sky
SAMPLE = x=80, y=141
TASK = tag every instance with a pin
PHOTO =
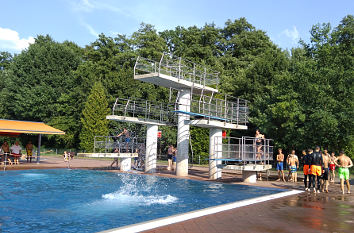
x=80, y=21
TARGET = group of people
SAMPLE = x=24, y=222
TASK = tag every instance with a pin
x=318, y=167
x=12, y=154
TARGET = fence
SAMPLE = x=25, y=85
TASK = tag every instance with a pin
x=147, y=110
x=178, y=68
x=245, y=149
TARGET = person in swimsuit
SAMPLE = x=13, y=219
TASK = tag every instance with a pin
x=280, y=165
x=170, y=152
x=16, y=152
x=126, y=133
x=325, y=169
x=29, y=150
x=6, y=150
x=332, y=167
x=293, y=165
x=316, y=169
x=259, y=138
x=306, y=168
x=344, y=163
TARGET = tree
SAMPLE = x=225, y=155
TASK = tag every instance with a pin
x=93, y=119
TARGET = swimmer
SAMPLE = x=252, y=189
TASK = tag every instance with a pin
x=306, y=168
x=126, y=133
x=293, y=165
x=326, y=159
x=344, y=163
x=280, y=165
x=332, y=167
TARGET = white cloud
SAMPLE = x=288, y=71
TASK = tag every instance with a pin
x=10, y=40
x=292, y=34
x=90, y=29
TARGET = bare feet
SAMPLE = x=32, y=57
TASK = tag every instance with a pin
x=278, y=180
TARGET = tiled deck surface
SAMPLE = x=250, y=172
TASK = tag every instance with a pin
x=306, y=212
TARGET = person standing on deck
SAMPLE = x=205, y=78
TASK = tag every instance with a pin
x=16, y=152
x=170, y=153
x=325, y=169
x=293, y=161
x=306, y=169
x=332, y=167
x=29, y=150
x=280, y=165
x=316, y=169
x=6, y=149
x=344, y=163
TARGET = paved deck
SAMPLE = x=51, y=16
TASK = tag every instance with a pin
x=306, y=212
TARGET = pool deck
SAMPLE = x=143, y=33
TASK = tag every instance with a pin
x=304, y=212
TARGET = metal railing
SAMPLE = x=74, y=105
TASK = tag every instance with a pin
x=113, y=144
x=147, y=110
x=178, y=68
x=232, y=110
x=245, y=149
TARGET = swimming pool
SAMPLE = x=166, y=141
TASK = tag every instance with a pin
x=63, y=200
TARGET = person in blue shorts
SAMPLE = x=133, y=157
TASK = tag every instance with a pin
x=280, y=165
x=126, y=134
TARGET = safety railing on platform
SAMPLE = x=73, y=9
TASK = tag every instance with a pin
x=144, y=109
x=232, y=110
x=245, y=149
x=178, y=68
x=114, y=144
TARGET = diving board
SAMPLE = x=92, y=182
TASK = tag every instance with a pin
x=201, y=115
x=164, y=80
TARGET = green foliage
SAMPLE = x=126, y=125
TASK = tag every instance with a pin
x=93, y=119
x=300, y=98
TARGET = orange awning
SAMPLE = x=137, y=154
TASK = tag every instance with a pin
x=29, y=127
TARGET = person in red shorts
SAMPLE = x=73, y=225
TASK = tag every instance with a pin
x=306, y=168
x=332, y=167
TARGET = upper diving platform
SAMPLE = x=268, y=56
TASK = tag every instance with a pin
x=142, y=112
x=176, y=73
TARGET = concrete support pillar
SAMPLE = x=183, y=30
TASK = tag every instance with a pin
x=249, y=176
x=215, y=152
x=125, y=164
x=183, y=133
x=151, y=148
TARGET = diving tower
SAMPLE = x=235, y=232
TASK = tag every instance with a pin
x=195, y=103
x=147, y=113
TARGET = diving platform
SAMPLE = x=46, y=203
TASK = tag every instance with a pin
x=108, y=155
x=205, y=123
x=176, y=73
x=135, y=120
x=167, y=81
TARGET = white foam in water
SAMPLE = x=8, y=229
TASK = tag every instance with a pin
x=136, y=199
x=33, y=175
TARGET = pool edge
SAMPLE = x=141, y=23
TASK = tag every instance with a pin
x=148, y=225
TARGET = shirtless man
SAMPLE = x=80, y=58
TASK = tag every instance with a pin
x=29, y=149
x=325, y=169
x=344, y=163
x=126, y=133
x=306, y=169
x=332, y=167
x=293, y=162
x=280, y=165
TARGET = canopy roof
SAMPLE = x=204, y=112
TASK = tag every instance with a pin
x=30, y=127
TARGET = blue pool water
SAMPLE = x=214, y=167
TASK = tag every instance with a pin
x=89, y=201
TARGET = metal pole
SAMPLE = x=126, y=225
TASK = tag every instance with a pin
x=39, y=148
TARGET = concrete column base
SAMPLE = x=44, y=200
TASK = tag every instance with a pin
x=249, y=176
x=151, y=149
x=125, y=164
